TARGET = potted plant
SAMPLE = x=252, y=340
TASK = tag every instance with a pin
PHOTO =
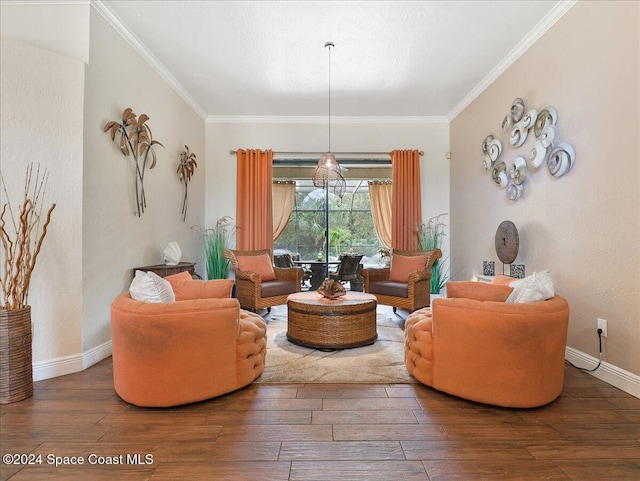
x=22, y=232
x=215, y=240
x=430, y=237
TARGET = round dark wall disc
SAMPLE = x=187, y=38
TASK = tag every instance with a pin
x=507, y=242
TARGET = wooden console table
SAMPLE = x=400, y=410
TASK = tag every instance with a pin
x=164, y=270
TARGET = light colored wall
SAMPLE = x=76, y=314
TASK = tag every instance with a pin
x=431, y=137
x=54, y=109
x=59, y=28
x=115, y=239
x=585, y=226
x=42, y=97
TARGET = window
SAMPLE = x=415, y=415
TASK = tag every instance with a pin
x=350, y=222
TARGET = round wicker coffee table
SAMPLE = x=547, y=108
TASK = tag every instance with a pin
x=320, y=323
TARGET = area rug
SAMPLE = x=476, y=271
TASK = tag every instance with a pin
x=381, y=362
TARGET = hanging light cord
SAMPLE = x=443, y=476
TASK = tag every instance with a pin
x=329, y=45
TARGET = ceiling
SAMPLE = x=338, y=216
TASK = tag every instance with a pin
x=391, y=58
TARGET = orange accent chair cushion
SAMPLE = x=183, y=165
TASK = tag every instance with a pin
x=180, y=276
x=480, y=291
x=261, y=265
x=501, y=279
x=402, y=266
x=185, y=288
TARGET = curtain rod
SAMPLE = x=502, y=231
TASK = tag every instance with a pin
x=234, y=152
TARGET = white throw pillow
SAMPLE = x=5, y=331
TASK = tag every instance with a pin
x=536, y=287
x=150, y=287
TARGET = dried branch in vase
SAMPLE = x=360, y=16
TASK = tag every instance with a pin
x=186, y=168
x=135, y=139
x=22, y=239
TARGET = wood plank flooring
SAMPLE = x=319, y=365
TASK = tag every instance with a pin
x=308, y=432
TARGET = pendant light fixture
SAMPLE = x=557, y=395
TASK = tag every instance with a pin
x=328, y=175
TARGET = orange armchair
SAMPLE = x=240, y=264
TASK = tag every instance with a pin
x=407, y=283
x=259, y=285
x=489, y=351
x=184, y=351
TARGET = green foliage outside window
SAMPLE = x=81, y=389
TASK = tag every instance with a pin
x=350, y=225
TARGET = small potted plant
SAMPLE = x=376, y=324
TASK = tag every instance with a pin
x=215, y=240
x=430, y=237
x=22, y=232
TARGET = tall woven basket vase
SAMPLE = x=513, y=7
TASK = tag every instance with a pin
x=16, y=372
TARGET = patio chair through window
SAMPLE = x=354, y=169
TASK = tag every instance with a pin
x=349, y=271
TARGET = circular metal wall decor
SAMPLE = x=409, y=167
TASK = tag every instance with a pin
x=538, y=154
x=530, y=118
x=514, y=191
x=548, y=116
x=485, y=144
x=494, y=150
x=517, y=110
x=548, y=135
x=507, y=242
x=506, y=123
x=561, y=159
x=518, y=170
x=499, y=174
x=516, y=126
x=518, y=135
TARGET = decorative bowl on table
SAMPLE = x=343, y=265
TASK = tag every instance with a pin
x=331, y=289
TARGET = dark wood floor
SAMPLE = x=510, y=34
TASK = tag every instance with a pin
x=323, y=432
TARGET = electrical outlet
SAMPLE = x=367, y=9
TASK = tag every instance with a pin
x=602, y=324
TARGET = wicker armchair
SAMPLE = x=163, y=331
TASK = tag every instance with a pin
x=252, y=291
x=413, y=294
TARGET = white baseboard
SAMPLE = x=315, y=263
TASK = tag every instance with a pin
x=624, y=380
x=70, y=364
x=95, y=355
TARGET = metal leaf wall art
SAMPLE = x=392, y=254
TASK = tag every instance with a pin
x=135, y=139
x=186, y=168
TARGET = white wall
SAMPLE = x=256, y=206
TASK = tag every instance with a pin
x=584, y=226
x=42, y=98
x=115, y=239
x=53, y=111
x=346, y=136
x=59, y=28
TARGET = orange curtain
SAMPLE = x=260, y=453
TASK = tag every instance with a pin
x=381, y=195
x=254, y=221
x=407, y=200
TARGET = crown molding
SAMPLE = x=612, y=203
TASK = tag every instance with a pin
x=28, y=3
x=320, y=119
x=555, y=14
x=115, y=21
x=103, y=9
